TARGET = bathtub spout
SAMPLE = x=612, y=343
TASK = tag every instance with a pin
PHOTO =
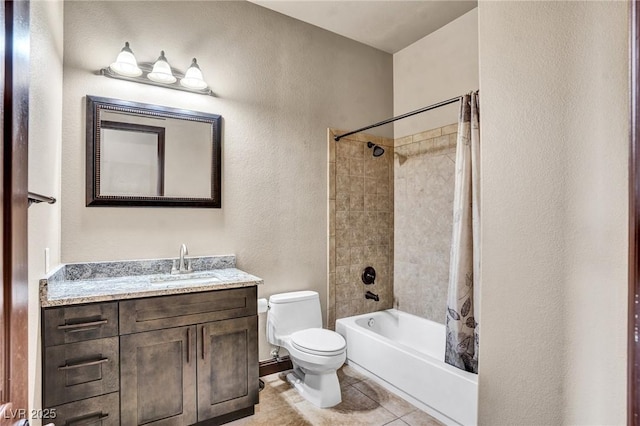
x=369, y=295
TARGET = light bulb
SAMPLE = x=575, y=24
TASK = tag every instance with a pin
x=161, y=72
x=126, y=63
x=193, y=77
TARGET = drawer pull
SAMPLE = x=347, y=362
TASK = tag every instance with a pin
x=82, y=326
x=83, y=364
x=86, y=421
x=204, y=340
x=188, y=345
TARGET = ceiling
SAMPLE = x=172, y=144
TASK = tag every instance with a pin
x=388, y=25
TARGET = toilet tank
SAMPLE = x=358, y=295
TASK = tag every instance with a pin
x=291, y=312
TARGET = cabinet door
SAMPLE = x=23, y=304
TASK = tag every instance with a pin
x=227, y=366
x=158, y=377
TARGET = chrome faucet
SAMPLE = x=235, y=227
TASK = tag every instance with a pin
x=181, y=269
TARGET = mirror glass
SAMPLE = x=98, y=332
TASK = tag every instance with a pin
x=148, y=155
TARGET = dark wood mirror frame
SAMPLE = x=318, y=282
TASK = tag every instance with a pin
x=95, y=105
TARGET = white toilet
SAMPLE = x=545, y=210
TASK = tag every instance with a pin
x=294, y=321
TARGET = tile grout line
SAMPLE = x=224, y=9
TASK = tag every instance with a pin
x=395, y=420
x=378, y=405
x=367, y=396
x=391, y=394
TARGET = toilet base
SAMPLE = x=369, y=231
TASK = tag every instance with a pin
x=322, y=390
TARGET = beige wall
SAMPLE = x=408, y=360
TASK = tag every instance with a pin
x=360, y=224
x=45, y=122
x=440, y=66
x=279, y=83
x=553, y=91
x=424, y=180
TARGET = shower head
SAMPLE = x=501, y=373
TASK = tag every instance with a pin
x=377, y=149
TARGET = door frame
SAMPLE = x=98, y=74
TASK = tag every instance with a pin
x=14, y=88
x=633, y=346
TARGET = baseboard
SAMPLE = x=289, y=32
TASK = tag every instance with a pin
x=226, y=418
x=275, y=365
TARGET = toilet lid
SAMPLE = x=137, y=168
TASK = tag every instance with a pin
x=318, y=341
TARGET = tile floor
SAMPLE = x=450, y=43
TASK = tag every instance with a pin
x=364, y=402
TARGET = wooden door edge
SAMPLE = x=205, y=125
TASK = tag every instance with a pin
x=633, y=347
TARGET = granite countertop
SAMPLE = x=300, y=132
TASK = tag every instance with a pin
x=71, y=284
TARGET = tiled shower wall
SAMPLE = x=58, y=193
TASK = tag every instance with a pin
x=424, y=187
x=360, y=224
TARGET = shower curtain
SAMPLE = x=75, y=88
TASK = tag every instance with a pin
x=462, y=324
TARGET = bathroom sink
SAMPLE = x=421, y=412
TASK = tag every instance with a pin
x=193, y=278
x=185, y=282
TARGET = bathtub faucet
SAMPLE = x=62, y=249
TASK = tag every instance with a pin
x=369, y=295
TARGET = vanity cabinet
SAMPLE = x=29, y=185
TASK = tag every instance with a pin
x=166, y=360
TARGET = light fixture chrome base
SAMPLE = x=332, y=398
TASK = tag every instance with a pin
x=146, y=69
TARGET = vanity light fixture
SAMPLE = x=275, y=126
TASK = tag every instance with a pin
x=159, y=73
x=193, y=77
x=126, y=63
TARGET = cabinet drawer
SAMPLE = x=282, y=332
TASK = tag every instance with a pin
x=78, y=323
x=173, y=311
x=98, y=411
x=80, y=370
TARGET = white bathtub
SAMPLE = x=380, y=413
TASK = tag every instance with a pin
x=405, y=353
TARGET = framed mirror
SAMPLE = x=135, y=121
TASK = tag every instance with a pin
x=149, y=155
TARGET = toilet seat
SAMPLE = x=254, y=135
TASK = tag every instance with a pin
x=318, y=341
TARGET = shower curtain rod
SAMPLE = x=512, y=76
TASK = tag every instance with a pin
x=400, y=117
